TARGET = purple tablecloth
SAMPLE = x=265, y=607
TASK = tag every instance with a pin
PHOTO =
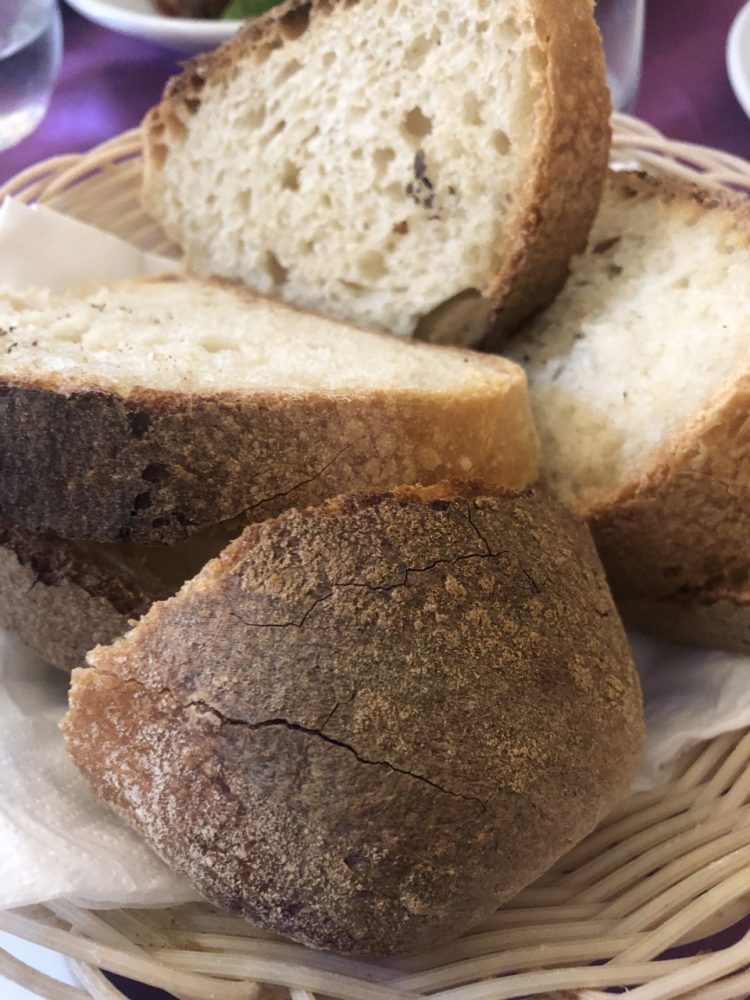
x=108, y=81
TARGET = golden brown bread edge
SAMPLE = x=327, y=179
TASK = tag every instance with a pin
x=716, y=616
x=366, y=725
x=559, y=198
x=158, y=466
x=563, y=194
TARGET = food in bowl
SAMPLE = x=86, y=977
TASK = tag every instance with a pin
x=229, y=9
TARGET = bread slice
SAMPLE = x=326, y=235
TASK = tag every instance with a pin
x=640, y=381
x=716, y=615
x=60, y=603
x=62, y=598
x=377, y=159
x=367, y=724
x=150, y=410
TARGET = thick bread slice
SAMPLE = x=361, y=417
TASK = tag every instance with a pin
x=716, y=616
x=366, y=725
x=376, y=159
x=151, y=409
x=640, y=382
x=62, y=598
x=60, y=603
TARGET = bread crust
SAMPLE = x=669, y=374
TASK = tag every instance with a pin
x=158, y=466
x=717, y=618
x=686, y=520
x=59, y=604
x=563, y=193
x=567, y=169
x=367, y=724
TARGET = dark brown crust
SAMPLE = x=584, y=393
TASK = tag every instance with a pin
x=159, y=466
x=564, y=191
x=367, y=724
x=685, y=521
x=713, y=619
x=567, y=167
x=59, y=604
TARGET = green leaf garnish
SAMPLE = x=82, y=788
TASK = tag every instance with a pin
x=239, y=9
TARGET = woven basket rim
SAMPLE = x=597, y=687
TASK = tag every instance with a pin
x=668, y=865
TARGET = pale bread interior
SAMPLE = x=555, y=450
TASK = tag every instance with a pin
x=201, y=337
x=435, y=110
x=652, y=326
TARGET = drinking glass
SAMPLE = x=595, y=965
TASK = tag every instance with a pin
x=621, y=23
x=30, y=51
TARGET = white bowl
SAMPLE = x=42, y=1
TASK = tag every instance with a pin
x=140, y=18
x=738, y=57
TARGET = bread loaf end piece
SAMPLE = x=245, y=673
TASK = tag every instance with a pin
x=365, y=725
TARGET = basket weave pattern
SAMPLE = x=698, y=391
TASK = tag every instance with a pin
x=668, y=867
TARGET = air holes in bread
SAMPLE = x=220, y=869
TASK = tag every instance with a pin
x=288, y=70
x=416, y=125
x=295, y=23
x=371, y=265
x=501, y=142
x=212, y=345
x=290, y=176
x=472, y=112
x=275, y=269
x=156, y=473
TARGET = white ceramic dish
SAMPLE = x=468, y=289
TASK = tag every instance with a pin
x=738, y=57
x=139, y=18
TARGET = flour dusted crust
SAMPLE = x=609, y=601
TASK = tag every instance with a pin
x=555, y=200
x=366, y=724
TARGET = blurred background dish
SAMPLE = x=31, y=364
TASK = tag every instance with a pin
x=30, y=54
x=738, y=57
x=140, y=18
x=622, y=24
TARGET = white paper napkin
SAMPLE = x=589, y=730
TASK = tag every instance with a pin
x=56, y=839
x=40, y=248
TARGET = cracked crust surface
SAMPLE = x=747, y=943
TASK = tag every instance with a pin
x=367, y=724
x=555, y=200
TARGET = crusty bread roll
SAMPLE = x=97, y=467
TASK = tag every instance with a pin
x=367, y=724
x=149, y=410
x=639, y=376
x=376, y=160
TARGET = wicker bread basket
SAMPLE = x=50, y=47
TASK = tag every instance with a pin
x=668, y=868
